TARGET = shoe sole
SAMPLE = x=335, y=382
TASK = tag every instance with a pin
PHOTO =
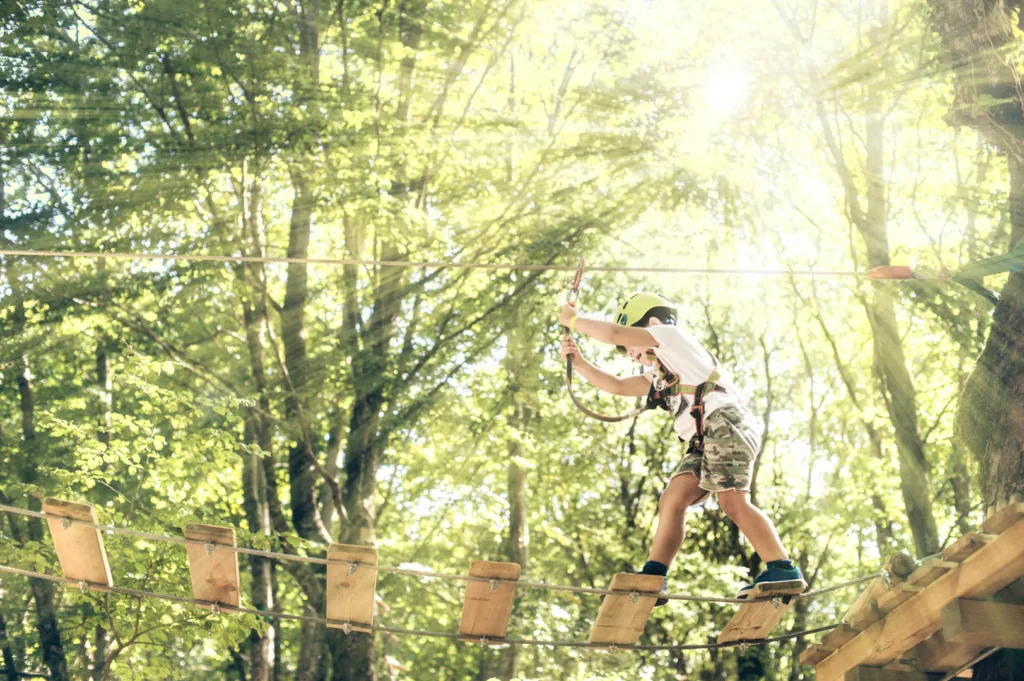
x=785, y=588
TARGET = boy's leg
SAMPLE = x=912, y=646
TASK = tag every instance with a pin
x=753, y=523
x=681, y=493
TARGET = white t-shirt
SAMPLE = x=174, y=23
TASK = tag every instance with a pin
x=684, y=356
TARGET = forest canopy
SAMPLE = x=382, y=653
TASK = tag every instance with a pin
x=750, y=164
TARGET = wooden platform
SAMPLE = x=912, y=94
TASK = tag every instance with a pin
x=941, y=617
x=621, y=619
x=80, y=549
x=488, y=605
x=213, y=568
x=351, y=586
x=755, y=621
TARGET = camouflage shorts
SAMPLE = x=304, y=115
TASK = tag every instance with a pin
x=732, y=437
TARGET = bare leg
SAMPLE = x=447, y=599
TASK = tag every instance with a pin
x=753, y=523
x=681, y=493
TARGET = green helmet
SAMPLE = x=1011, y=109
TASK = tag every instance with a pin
x=635, y=309
x=638, y=308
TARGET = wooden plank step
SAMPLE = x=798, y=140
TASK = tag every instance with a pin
x=966, y=546
x=1003, y=519
x=351, y=586
x=929, y=571
x=80, y=549
x=488, y=606
x=897, y=596
x=214, y=569
x=993, y=567
x=815, y=653
x=621, y=619
x=754, y=621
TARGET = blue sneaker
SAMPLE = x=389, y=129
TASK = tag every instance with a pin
x=777, y=575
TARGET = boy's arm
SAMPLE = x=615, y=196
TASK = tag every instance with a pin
x=634, y=386
x=606, y=332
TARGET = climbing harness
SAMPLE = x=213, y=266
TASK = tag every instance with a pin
x=573, y=296
x=710, y=385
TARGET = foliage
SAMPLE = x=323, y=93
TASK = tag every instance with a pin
x=524, y=131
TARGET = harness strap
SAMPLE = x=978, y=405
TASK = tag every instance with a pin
x=697, y=406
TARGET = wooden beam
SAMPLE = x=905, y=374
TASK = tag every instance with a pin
x=897, y=596
x=929, y=571
x=813, y=654
x=213, y=567
x=622, y=618
x=984, y=623
x=936, y=654
x=867, y=615
x=878, y=674
x=351, y=586
x=488, y=606
x=1003, y=519
x=860, y=613
x=80, y=549
x=839, y=636
x=992, y=567
x=966, y=546
x=754, y=621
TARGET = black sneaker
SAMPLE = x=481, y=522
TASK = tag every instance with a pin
x=664, y=589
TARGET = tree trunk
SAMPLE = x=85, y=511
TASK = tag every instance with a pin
x=354, y=654
x=521, y=365
x=301, y=474
x=10, y=667
x=99, y=658
x=890, y=367
x=991, y=413
x=992, y=409
x=44, y=592
x=890, y=362
x=262, y=647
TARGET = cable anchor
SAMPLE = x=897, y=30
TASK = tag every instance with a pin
x=776, y=602
x=483, y=641
x=83, y=586
x=65, y=523
x=209, y=546
x=493, y=584
x=352, y=567
x=347, y=628
x=215, y=608
x=633, y=595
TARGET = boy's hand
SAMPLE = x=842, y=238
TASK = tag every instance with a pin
x=567, y=313
x=569, y=349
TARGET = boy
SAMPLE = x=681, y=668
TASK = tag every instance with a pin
x=724, y=436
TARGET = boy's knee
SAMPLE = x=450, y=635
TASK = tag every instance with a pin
x=673, y=501
x=733, y=501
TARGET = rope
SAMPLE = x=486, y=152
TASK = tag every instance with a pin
x=349, y=626
x=641, y=407
x=424, y=264
x=113, y=529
